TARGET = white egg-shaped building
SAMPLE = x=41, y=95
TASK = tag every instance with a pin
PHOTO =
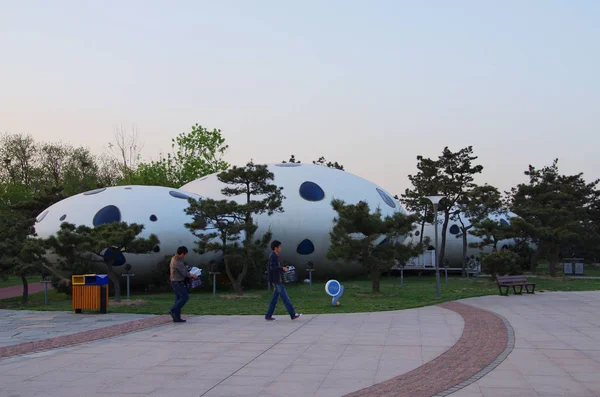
x=308, y=217
x=160, y=209
x=454, y=241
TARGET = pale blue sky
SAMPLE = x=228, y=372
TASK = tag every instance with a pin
x=368, y=84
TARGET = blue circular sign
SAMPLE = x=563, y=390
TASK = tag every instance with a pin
x=332, y=287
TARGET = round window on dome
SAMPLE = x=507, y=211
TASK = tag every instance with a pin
x=117, y=257
x=306, y=247
x=454, y=229
x=108, y=214
x=310, y=191
x=95, y=191
x=387, y=199
x=179, y=195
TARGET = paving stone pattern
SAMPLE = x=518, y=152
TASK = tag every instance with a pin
x=484, y=338
x=37, y=326
x=557, y=346
x=211, y=356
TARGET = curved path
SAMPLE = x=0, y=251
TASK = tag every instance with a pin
x=486, y=341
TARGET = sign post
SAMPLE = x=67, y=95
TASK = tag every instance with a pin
x=127, y=274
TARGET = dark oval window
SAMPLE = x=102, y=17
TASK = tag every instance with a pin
x=153, y=218
x=41, y=216
x=306, y=247
x=95, y=191
x=116, y=256
x=288, y=165
x=62, y=218
x=128, y=188
x=388, y=200
x=417, y=233
x=311, y=191
x=156, y=248
x=454, y=229
x=106, y=215
x=179, y=195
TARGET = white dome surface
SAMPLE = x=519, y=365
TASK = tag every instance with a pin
x=160, y=209
x=306, y=221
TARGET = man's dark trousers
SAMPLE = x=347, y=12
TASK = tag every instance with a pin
x=181, y=297
x=279, y=291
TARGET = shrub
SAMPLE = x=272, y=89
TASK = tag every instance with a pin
x=501, y=263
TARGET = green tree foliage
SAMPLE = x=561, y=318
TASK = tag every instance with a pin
x=356, y=232
x=451, y=176
x=475, y=206
x=490, y=232
x=233, y=222
x=424, y=184
x=195, y=154
x=321, y=161
x=76, y=245
x=501, y=263
x=555, y=210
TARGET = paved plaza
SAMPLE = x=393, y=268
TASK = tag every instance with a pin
x=532, y=345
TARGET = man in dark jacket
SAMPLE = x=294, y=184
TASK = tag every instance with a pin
x=275, y=277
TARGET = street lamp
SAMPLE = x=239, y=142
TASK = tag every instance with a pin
x=435, y=200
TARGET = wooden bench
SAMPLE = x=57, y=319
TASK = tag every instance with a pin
x=514, y=281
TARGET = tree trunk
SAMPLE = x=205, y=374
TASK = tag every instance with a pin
x=443, y=245
x=25, y=290
x=423, y=226
x=375, y=278
x=237, y=287
x=553, y=260
x=464, y=255
x=116, y=282
x=534, y=260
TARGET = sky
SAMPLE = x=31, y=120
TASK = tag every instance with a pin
x=368, y=84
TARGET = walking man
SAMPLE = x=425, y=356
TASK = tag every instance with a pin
x=178, y=275
x=274, y=275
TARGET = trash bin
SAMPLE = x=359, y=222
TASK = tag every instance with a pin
x=90, y=291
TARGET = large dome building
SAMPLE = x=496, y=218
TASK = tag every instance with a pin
x=308, y=217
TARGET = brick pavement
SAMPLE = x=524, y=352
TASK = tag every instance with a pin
x=484, y=338
x=17, y=290
x=83, y=337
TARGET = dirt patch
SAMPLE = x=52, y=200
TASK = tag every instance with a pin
x=245, y=296
x=125, y=302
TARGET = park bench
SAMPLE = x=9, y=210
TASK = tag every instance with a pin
x=514, y=281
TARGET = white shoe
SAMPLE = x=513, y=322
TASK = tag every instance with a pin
x=297, y=316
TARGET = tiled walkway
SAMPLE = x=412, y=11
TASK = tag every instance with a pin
x=324, y=355
x=432, y=351
x=557, y=346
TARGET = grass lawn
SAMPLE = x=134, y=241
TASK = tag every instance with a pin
x=417, y=292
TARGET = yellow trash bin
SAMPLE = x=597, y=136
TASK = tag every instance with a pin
x=90, y=291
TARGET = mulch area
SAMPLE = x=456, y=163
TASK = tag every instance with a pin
x=484, y=338
x=83, y=337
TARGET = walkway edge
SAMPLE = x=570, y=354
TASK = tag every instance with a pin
x=84, y=336
x=486, y=340
x=510, y=345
